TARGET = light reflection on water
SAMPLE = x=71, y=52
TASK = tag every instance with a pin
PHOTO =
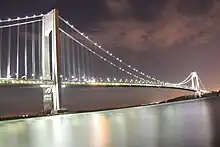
x=183, y=124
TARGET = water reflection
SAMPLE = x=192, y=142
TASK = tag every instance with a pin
x=180, y=124
x=99, y=128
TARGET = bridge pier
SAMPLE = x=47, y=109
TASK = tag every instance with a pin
x=198, y=93
x=47, y=100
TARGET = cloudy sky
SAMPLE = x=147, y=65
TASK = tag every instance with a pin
x=167, y=39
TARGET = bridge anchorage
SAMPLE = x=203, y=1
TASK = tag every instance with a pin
x=47, y=51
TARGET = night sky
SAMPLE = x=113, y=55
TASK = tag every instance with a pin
x=167, y=39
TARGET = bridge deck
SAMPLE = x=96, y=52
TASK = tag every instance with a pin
x=43, y=83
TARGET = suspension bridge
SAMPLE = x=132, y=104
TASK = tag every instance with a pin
x=47, y=51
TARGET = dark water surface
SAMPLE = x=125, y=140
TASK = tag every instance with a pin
x=181, y=124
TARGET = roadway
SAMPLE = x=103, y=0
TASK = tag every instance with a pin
x=47, y=83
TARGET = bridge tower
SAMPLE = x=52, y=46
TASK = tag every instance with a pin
x=51, y=61
x=195, y=83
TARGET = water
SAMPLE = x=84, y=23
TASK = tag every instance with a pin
x=184, y=124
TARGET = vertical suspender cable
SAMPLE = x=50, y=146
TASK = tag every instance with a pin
x=91, y=70
x=25, y=53
x=62, y=56
x=87, y=64
x=68, y=57
x=17, y=53
x=73, y=58
x=78, y=58
x=90, y=64
x=82, y=59
x=0, y=52
x=9, y=54
x=33, y=51
x=39, y=49
x=86, y=74
x=78, y=62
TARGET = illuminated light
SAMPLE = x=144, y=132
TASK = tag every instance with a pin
x=63, y=86
x=61, y=76
x=67, y=22
x=26, y=17
x=34, y=15
x=87, y=37
x=81, y=33
x=114, y=58
x=100, y=46
x=95, y=43
x=41, y=14
x=32, y=74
